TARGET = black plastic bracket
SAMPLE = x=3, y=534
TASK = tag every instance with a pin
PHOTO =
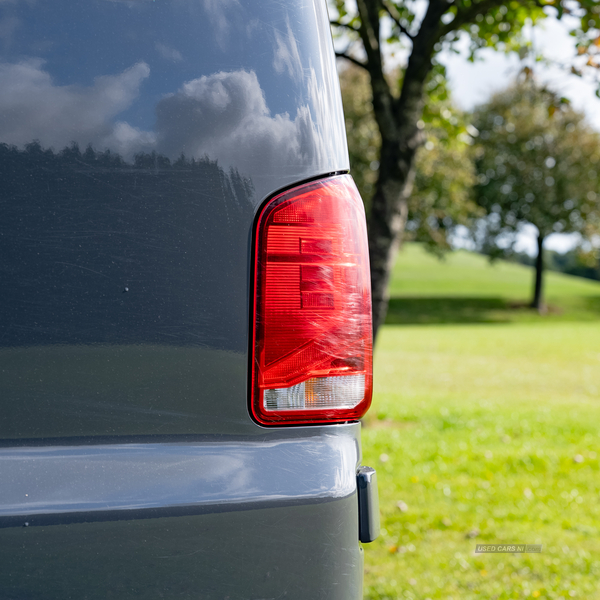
x=368, y=504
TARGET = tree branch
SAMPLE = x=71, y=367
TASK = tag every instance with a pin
x=344, y=25
x=411, y=100
x=352, y=60
x=369, y=13
x=396, y=19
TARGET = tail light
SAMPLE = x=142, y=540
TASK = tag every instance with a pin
x=312, y=338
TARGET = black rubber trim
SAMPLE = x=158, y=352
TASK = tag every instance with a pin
x=99, y=516
x=368, y=504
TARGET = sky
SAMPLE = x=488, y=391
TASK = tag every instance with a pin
x=472, y=84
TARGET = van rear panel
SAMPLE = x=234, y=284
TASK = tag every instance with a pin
x=138, y=141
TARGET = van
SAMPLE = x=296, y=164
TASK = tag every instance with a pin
x=185, y=332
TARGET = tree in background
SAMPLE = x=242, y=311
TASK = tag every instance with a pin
x=444, y=172
x=538, y=162
x=579, y=262
x=422, y=31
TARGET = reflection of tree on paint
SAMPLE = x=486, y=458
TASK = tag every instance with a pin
x=79, y=228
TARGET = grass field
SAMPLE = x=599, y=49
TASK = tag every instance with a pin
x=485, y=429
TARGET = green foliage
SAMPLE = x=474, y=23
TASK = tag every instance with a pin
x=496, y=24
x=361, y=130
x=441, y=197
x=537, y=162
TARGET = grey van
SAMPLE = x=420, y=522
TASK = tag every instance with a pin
x=185, y=333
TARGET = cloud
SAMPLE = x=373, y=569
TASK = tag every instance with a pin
x=33, y=107
x=168, y=53
x=225, y=116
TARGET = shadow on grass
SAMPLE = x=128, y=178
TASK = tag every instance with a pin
x=592, y=304
x=438, y=310
x=429, y=311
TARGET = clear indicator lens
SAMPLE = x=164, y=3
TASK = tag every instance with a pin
x=345, y=391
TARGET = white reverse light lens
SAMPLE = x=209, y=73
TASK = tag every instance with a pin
x=342, y=391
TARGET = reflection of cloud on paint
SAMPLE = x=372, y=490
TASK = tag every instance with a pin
x=287, y=57
x=253, y=26
x=225, y=116
x=168, y=53
x=323, y=105
x=33, y=107
x=218, y=13
x=127, y=140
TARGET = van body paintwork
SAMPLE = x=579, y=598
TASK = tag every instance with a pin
x=138, y=141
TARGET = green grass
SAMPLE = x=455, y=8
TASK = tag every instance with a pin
x=488, y=433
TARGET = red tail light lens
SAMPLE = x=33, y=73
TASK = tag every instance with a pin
x=313, y=347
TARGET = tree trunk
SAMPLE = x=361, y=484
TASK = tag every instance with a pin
x=537, y=302
x=387, y=219
x=397, y=121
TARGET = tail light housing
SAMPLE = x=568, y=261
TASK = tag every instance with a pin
x=312, y=331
